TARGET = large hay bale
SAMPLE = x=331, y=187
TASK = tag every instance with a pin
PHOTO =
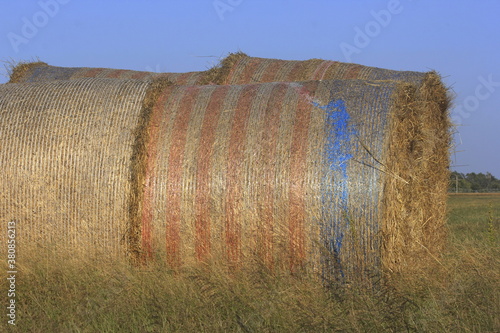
x=40, y=72
x=238, y=68
x=343, y=173
x=428, y=155
x=66, y=173
x=334, y=176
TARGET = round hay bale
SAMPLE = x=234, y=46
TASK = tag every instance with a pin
x=340, y=177
x=40, y=72
x=65, y=159
x=238, y=68
x=430, y=105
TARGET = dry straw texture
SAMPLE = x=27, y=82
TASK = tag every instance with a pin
x=334, y=176
x=65, y=159
x=40, y=72
x=238, y=68
x=339, y=177
x=414, y=220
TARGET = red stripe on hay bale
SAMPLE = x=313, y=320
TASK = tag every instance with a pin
x=319, y=74
x=284, y=72
x=233, y=180
x=174, y=186
x=270, y=71
x=117, y=73
x=153, y=130
x=207, y=139
x=233, y=67
x=183, y=78
x=319, y=70
x=90, y=72
x=353, y=72
x=297, y=175
x=269, y=142
x=249, y=70
x=140, y=75
x=294, y=73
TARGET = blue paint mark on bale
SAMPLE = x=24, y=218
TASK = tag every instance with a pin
x=335, y=188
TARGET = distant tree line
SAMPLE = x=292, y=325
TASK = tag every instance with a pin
x=473, y=182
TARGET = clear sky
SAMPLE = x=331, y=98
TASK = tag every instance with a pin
x=460, y=39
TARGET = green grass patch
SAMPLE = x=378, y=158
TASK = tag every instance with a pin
x=474, y=218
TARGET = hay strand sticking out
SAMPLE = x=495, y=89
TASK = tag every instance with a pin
x=19, y=72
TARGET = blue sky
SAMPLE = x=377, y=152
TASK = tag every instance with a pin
x=459, y=39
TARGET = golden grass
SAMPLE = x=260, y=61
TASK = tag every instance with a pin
x=74, y=293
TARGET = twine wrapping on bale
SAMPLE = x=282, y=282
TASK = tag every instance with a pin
x=332, y=176
x=140, y=170
x=425, y=194
x=238, y=68
x=341, y=177
x=40, y=72
x=65, y=159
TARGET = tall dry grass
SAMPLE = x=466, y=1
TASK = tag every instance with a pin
x=459, y=294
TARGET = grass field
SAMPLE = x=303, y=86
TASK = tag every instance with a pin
x=460, y=294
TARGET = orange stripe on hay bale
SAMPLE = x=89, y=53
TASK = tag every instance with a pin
x=205, y=152
x=269, y=142
x=241, y=174
x=234, y=196
x=152, y=132
x=297, y=173
x=174, y=185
